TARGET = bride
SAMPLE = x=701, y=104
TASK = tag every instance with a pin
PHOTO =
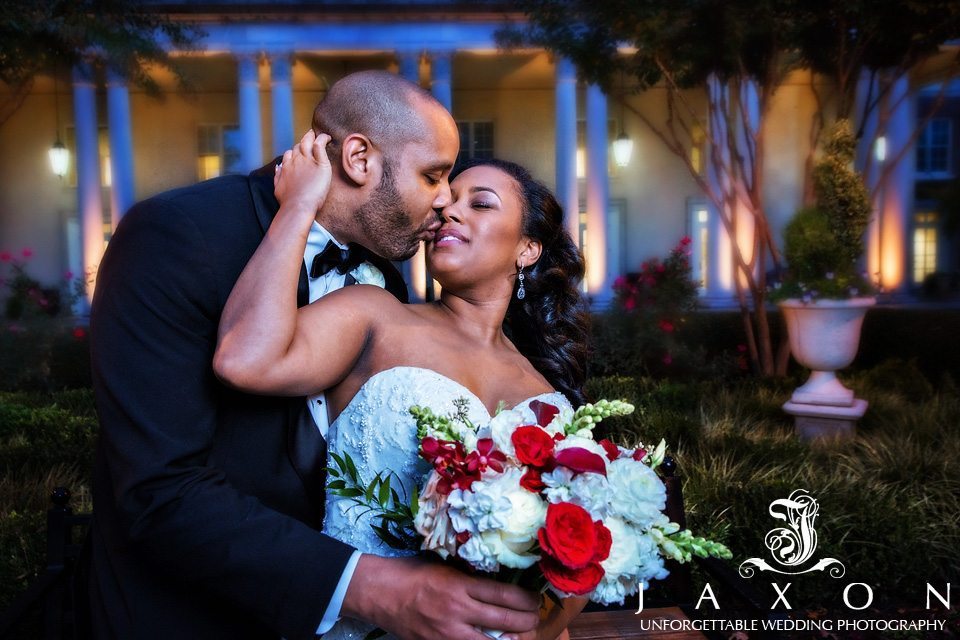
x=509, y=327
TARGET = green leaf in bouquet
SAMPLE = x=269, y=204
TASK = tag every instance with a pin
x=332, y=472
x=351, y=468
x=384, y=494
x=388, y=538
x=371, y=488
x=340, y=463
x=336, y=484
x=350, y=492
x=415, y=501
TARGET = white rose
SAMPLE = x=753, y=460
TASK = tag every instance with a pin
x=624, y=549
x=501, y=428
x=502, y=518
x=636, y=493
x=366, y=273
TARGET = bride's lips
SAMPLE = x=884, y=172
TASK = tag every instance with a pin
x=449, y=238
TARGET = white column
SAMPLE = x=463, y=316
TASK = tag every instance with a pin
x=251, y=150
x=598, y=196
x=414, y=270
x=441, y=73
x=888, y=238
x=441, y=78
x=89, y=198
x=566, y=133
x=121, y=147
x=281, y=95
x=409, y=66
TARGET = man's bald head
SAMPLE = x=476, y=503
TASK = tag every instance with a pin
x=378, y=104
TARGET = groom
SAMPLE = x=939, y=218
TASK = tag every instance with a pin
x=208, y=502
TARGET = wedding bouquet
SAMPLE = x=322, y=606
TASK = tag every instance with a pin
x=543, y=499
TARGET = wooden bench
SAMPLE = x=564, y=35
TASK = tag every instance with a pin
x=626, y=625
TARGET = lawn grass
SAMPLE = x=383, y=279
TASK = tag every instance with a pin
x=889, y=501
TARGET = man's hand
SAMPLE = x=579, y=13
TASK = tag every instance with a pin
x=302, y=179
x=418, y=600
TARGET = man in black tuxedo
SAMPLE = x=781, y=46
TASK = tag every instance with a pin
x=208, y=502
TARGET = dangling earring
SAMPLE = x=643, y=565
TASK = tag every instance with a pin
x=521, y=292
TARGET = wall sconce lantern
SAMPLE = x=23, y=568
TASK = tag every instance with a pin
x=622, y=149
x=59, y=156
x=622, y=145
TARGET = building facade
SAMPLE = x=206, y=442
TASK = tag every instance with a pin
x=260, y=69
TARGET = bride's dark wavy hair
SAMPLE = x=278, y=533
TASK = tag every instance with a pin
x=551, y=324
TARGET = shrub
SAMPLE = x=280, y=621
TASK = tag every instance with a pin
x=822, y=244
x=643, y=334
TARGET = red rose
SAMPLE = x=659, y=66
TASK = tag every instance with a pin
x=579, y=460
x=575, y=581
x=532, y=481
x=568, y=535
x=613, y=452
x=604, y=541
x=534, y=445
x=545, y=412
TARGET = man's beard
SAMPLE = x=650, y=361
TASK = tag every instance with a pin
x=386, y=222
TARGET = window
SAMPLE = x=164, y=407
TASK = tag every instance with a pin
x=698, y=219
x=218, y=150
x=103, y=150
x=933, y=148
x=925, y=234
x=476, y=140
x=698, y=150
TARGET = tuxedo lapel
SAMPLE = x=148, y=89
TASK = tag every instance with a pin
x=265, y=205
x=306, y=448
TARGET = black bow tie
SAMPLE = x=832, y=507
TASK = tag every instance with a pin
x=333, y=257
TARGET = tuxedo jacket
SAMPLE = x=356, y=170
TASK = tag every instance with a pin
x=207, y=501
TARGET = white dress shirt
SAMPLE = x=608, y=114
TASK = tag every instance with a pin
x=317, y=404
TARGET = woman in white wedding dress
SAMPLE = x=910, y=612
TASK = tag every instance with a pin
x=494, y=336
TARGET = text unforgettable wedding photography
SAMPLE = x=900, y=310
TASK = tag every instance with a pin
x=533, y=319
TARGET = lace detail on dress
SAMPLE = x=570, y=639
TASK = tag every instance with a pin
x=378, y=432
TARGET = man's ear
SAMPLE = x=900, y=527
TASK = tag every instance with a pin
x=529, y=252
x=361, y=162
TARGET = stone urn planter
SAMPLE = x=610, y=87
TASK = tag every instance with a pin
x=824, y=337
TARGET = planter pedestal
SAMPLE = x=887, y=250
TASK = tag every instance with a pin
x=821, y=422
x=824, y=336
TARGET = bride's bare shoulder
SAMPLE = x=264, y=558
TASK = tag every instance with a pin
x=364, y=302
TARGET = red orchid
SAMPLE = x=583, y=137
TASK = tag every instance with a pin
x=485, y=457
x=450, y=461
